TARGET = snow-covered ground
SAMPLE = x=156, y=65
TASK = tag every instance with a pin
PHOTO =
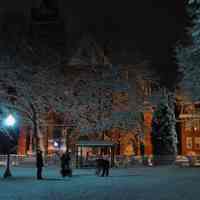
x=159, y=183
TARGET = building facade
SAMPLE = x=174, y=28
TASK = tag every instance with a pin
x=189, y=129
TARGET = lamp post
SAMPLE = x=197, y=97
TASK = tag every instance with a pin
x=8, y=122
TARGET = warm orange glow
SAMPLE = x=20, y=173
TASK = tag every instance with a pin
x=129, y=150
x=22, y=142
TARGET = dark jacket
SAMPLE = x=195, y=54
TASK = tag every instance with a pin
x=101, y=163
x=65, y=159
x=39, y=160
x=106, y=164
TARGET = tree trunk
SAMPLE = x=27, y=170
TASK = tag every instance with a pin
x=40, y=138
x=46, y=144
x=35, y=133
x=35, y=130
x=35, y=126
x=67, y=140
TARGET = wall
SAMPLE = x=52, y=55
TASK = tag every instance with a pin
x=190, y=137
x=147, y=139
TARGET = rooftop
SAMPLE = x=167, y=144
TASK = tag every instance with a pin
x=94, y=143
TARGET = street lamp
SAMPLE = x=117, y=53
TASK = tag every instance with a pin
x=8, y=122
x=56, y=144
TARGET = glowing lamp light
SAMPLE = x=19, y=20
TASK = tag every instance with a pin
x=55, y=144
x=10, y=121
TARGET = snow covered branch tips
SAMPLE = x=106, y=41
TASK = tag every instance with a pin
x=29, y=83
x=164, y=135
x=188, y=57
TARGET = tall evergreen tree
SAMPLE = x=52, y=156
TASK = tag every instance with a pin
x=164, y=137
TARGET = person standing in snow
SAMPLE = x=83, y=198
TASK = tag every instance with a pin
x=99, y=165
x=39, y=164
x=65, y=165
x=106, y=166
x=102, y=167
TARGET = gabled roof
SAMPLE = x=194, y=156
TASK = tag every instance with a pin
x=88, y=53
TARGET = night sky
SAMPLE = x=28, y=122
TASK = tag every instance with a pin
x=150, y=26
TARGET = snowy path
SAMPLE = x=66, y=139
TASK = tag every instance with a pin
x=163, y=183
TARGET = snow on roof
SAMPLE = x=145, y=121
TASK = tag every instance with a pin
x=181, y=116
x=96, y=143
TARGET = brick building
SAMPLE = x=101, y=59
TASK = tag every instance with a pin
x=189, y=128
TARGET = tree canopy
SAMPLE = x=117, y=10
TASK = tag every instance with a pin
x=188, y=56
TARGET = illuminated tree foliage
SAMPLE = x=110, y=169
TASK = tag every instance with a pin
x=108, y=83
x=28, y=80
x=36, y=79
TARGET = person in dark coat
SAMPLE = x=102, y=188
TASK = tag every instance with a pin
x=99, y=166
x=39, y=164
x=65, y=165
x=106, y=166
x=102, y=167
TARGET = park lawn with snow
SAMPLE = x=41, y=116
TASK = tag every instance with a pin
x=138, y=183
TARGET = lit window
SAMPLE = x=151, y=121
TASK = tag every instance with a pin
x=197, y=142
x=189, y=142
